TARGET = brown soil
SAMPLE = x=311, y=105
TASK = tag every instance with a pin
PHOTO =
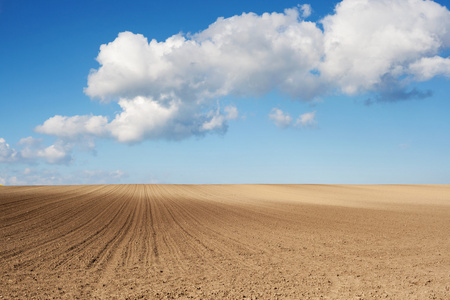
x=225, y=241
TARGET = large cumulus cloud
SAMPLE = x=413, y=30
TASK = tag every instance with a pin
x=366, y=41
x=169, y=89
x=242, y=55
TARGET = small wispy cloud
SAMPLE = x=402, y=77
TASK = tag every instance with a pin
x=31, y=150
x=7, y=154
x=280, y=119
x=34, y=176
x=283, y=120
x=306, y=10
x=307, y=120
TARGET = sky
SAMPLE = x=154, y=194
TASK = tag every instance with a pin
x=222, y=92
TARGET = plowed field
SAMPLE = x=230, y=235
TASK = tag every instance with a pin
x=225, y=241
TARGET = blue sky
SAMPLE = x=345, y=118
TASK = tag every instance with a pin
x=351, y=92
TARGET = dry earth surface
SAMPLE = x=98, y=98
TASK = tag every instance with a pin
x=225, y=241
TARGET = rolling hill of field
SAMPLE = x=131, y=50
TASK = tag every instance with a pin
x=225, y=241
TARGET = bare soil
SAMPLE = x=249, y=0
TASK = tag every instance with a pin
x=225, y=241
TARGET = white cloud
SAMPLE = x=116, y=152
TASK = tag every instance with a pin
x=7, y=154
x=249, y=55
x=73, y=127
x=365, y=40
x=51, y=177
x=429, y=67
x=143, y=118
x=164, y=88
x=242, y=55
x=279, y=118
x=217, y=120
x=168, y=89
x=306, y=10
x=32, y=150
x=306, y=120
x=284, y=120
x=232, y=112
x=29, y=177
